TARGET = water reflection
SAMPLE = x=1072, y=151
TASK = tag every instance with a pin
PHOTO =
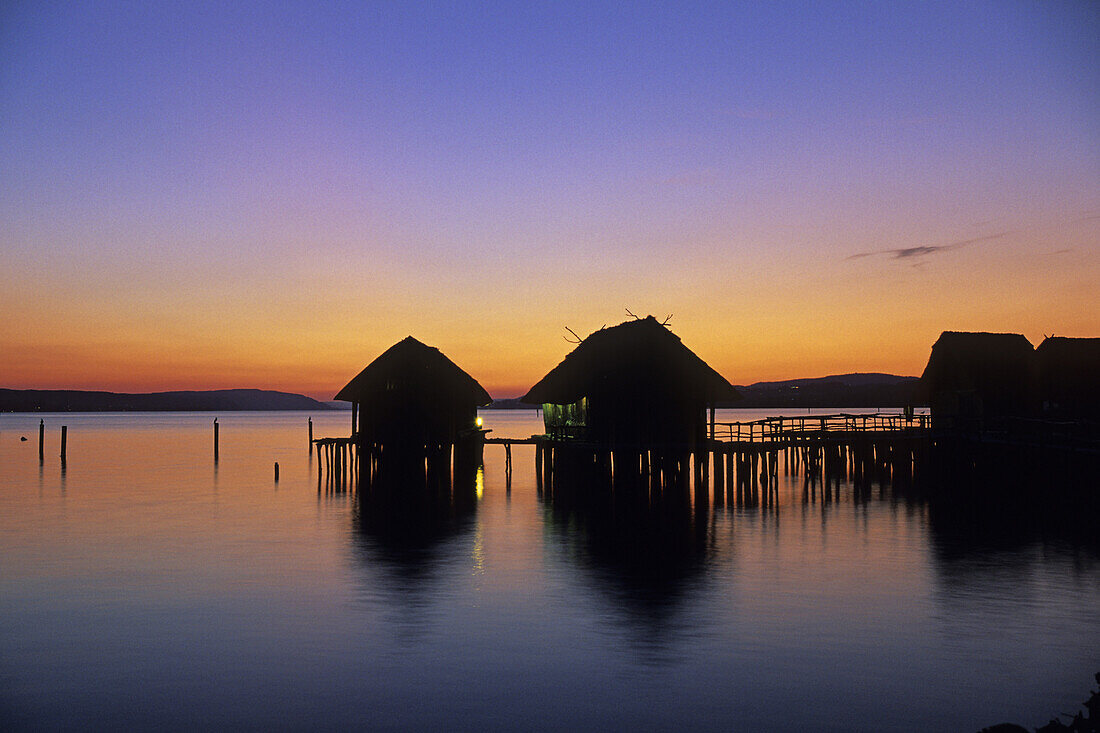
x=990, y=537
x=403, y=532
x=974, y=512
x=404, y=522
x=644, y=551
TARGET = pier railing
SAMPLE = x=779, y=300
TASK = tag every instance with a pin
x=784, y=428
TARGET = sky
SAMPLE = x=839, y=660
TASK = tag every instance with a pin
x=201, y=196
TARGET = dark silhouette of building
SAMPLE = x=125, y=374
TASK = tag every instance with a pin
x=972, y=378
x=631, y=385
x=1067, y=377
x=413, y=397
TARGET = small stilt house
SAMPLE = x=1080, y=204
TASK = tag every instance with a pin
x=1067, y=377
x=972, y=378
x=632, y=385
x=413, y=396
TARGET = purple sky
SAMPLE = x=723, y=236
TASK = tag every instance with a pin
x=200, y=195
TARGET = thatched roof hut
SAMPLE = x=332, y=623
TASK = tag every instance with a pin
x=631, y=384
x=973, y=376
x=1067, y=375
x=413, y=394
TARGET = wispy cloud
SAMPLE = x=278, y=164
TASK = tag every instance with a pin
x=917, y=253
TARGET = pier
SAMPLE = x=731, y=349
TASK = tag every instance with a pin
x=745, y=458
x=744, y=462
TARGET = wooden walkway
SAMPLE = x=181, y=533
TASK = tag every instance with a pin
x=748, y=453
x=752, y=453
x=747, y=458
x=772, y=433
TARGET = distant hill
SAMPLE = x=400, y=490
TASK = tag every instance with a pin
x=222, y=400
x=510, y=403
x=841, y=390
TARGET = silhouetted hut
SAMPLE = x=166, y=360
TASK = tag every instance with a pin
x=631, y=385
x=974, y=377
x=413, y=396
x=1067, y=377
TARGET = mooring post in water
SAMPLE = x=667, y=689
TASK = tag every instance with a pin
x=64, y=432
x=215, y=440
x=41, y=440
x=311, y=435
x=276, y=472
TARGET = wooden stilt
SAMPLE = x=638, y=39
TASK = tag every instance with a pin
x=719, y=476
x=538, y=467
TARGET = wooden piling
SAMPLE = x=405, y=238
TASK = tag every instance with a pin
x=730, y=459
x=548, y=469
x=538, y=466
x=706, y=464
x=311, y=435
x=41, y=440
x=719, y=476
x=215, y=440
x=276, y=472
x=64, y=437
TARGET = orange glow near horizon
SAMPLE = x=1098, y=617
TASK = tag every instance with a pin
x=833, y=317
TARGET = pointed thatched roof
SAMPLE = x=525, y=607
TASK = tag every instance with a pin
x=413, y=366
x=638, y=347
x=1070, y=351
x=1068, y=371
x=962, y=358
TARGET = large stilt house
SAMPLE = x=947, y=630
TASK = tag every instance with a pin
x=413, y=396
x=973, y=378
x=634, y=385
x=1067, y=374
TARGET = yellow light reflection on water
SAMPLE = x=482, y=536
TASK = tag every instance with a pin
x=479, y=481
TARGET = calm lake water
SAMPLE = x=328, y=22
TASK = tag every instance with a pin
x=142, y=586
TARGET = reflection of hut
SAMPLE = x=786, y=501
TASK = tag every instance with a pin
x=972, y=377
x=413, y=397
x=634, y=384
x=645, y=555
x=1067, y=372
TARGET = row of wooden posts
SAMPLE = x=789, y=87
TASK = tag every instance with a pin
x=337, y=462
x=737, y=465
x=749, y=471
x=860, y=448
x=42, y=441
x=741, y=469
x=734, y=464
x=343, y=464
